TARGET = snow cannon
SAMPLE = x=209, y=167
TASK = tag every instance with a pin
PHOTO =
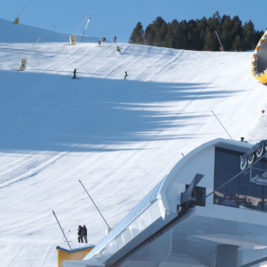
x=259, y=60
x=16, y=21
x=72, y=39
x=22, y=65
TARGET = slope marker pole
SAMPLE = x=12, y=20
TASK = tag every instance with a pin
x=61, y=229
x=221, y=123
x=221, y=46
x=95, y=205
x=21, y=11
x=86, y=26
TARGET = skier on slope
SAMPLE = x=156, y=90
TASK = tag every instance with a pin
x=125, y=75
x=118, y=49
x=74, y=74
x=114, y=39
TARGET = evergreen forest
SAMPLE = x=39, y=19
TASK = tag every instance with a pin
x=209, y=34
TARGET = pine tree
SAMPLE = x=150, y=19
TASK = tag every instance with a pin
x=137, y=36
x=160, y=29
x=199, y=34
x=171, y=36
x=226, y=36
x=202, y=26
x=193, y=40
x=250, y=36
x=237, y=43
x=150, y=35
x=210, y=42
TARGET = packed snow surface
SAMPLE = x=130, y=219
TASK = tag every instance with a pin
x=120, y=137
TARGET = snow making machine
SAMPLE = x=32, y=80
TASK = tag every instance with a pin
x=259, y=60
x=210, y=210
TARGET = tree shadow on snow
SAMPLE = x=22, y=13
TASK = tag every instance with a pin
x=56, y=113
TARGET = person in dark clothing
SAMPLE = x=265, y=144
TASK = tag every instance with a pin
x=85, y=233
x=115, y=39
x=104, y=39
x=242, y=139
x=80, y=234
x=74, y=74
x=125, y=75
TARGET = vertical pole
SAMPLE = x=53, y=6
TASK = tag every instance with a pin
x=61, y=229
x=21, y=11
x=221, y=46
x=38, y=39
x=221, y=124
x=95, y=205
x=143, y=36
x=85, y=28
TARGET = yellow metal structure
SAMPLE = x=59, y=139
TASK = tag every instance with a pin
x=259, y=59
x=16, y=21
x=74, y=254
x=72, y=39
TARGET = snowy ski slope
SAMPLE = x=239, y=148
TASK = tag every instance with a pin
x=119, y=137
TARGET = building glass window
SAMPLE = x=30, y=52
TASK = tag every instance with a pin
x=240, y=192
x=226, y=166
x=250, y=194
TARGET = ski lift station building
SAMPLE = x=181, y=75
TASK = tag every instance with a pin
x=210, y=210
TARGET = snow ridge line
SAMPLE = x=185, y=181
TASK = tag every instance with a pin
x=34, y=171
x=168, y=63
x=18, y=172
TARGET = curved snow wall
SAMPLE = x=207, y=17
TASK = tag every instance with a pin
x=259, y=60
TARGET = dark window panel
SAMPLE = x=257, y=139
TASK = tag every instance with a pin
x=240, y=192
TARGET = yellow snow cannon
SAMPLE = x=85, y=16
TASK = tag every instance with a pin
x=259, y=60
x=16, y=21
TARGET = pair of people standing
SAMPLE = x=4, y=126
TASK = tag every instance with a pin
x=82, y=234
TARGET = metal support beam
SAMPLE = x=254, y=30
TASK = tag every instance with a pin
x=95, y=205
x=61, y=229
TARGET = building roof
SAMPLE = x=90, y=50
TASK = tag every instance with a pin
x=120, y=236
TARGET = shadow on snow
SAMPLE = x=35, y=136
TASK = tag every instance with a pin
x=55, y=113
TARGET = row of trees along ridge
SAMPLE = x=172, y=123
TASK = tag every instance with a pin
x=198, y=34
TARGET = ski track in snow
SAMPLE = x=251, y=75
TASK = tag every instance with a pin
x=30, y=170
x=119, y=137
